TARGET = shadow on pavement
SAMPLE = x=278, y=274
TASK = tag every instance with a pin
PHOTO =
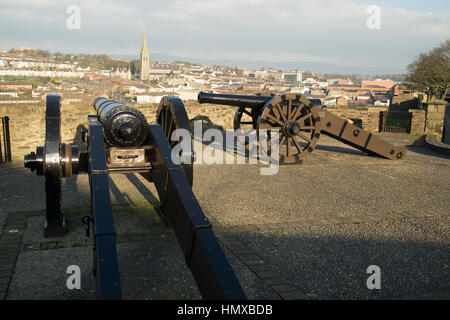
x=335, y=267
x=142, y=188
x=424, y=150
x=321, y=266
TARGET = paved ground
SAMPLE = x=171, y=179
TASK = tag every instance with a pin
x=308, y=232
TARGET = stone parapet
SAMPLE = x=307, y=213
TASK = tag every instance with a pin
x=417, y=121
x=435, y=114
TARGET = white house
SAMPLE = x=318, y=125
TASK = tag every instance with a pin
x=152, y=97
x=188, y=94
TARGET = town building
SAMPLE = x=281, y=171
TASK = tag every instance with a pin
x=145, y=60
x=15, y=86
x=292, y=76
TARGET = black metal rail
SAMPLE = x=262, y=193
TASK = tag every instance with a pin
x=212, y=272
x=106, y=265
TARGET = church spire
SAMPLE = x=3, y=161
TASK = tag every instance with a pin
x=145, y=60
x=144, y=49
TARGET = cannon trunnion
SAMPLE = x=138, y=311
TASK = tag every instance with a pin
x=300, y=122
x=120, y=141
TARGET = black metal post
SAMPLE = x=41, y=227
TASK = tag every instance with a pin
x=8, y=140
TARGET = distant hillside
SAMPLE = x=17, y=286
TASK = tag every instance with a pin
x=95, y=61
x=102, y=61
x=279, y=65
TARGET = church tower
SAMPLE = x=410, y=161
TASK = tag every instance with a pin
x=145, y=60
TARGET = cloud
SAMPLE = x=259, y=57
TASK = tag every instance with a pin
x=331, y=31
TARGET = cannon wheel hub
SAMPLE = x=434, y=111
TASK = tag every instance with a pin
x=291, y=128
x=298, y=125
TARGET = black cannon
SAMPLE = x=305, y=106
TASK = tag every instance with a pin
x=300, y=121
x=120, y=141
x=123, y=126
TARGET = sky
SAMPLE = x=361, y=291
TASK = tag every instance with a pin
x=319, y=31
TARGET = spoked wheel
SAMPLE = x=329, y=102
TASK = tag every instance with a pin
x=299, y=127
x=243, y=118
x=171, y=115
x=246, y=119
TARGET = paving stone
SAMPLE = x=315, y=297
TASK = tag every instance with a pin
x=250, y=256
x=273, y=281
x=254, y=262
x=260, y=267
x=243, y=252
x=266, y=274
x=10, y=245
x=233, y=245
x=283, y=288
x=4, y=280
x=6, y=268
x=4, y=260
x=6, y=255
x=12, y=236
x=294, y=295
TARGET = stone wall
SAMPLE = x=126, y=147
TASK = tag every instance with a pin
x=435, y=118
x=417, y=121
x=210, y=115
x=370, y=116
x=27, y=126
x=404, y=102
x=28, y=122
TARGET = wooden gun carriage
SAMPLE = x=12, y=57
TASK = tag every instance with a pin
x=300, y=122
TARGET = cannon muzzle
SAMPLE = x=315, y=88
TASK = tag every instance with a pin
x=123, y=126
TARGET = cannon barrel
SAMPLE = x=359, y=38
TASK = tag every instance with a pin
x=233, y=99
x=123, y=126
x=238, y=100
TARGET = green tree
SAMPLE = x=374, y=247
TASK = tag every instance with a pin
x=135, y=66
x=430, y=72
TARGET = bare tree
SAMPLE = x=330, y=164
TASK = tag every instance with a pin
x=430, y=72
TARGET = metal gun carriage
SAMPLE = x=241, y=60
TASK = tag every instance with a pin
x=300, y=122
x=119, y=140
